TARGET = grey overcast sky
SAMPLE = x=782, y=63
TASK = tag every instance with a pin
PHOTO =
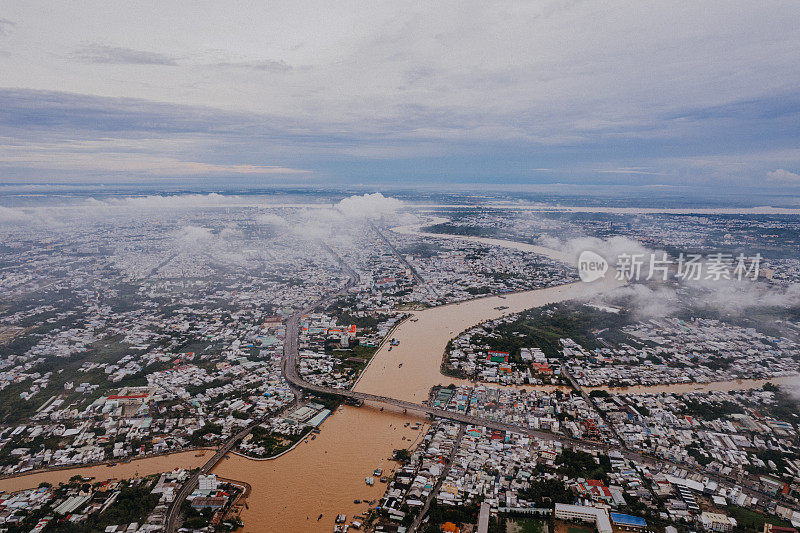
x=649, y=93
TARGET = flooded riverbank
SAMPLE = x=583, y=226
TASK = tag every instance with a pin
x=324, y=475
x=422, y=342
x=134, y=468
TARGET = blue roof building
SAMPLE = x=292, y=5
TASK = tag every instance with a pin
x=628, y=522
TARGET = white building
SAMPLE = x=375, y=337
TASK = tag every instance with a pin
x=208, y=482
x=717, y=522
x=594, y=515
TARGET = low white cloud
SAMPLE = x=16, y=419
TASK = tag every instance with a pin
x=270, y=219
x=319, y=224
x=370, y=206
x=223, y=246
x=166, y=202
x=10, y=215
x=783, y=176
x=647, y=302
x=193, y=237
x=732, y=297
x=346, y=219
x=611, y=249
x=737, y=297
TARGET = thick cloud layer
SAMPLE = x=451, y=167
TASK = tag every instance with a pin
x=554, y=92
x=369, y=206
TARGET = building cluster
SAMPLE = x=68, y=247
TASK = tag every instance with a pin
x=150, y=336
x=333, y=353
x=671, y=350
x=84, y=503
x=279, y=434
x=729, y=433
x=564, y=413
x=456, y=270
x=517, y=475
x=471, y=355
x=190, y=399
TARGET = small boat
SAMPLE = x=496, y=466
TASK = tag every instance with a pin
x=400, y=365
x=246, y=506
x=320, y=516
x=356, y=501
x=313, y=437
x=370, y=481
x=377, y=472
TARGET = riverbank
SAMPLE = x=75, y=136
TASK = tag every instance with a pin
x=324, y=475
x=155, y=464
x=422, y=342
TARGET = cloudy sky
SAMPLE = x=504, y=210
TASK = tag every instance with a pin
x=649, y=93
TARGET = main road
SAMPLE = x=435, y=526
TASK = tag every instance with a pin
x=290, y=351
x=400, y=256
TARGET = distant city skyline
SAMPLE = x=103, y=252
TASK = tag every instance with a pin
x=644, y=94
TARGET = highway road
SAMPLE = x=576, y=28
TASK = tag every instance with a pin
x=400, y=256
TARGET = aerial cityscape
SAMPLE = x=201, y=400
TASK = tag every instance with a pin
x=211, y=362
x=400, y=267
